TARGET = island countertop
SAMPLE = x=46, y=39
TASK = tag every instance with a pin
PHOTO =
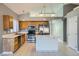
x=46, y=43
x=10, y=36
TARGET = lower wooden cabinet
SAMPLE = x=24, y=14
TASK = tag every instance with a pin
x=18, y=41
x=23, y=38
x=16, y=44
x=15, y=47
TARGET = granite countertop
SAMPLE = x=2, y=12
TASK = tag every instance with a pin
x=10, y=36
x=13, y=35
x=23, y=32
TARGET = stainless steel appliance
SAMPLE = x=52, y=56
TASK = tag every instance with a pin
x=31, y=34
x=43, y=29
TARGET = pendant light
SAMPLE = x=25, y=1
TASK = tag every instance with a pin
x=44, y=12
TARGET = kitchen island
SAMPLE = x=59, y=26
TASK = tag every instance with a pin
x=46, y=43
x=12, y=42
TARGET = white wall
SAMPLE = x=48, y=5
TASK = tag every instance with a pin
x=73, y=29
x=72, y=32
x=1, y=35
x=15, y=25
x=4, y=11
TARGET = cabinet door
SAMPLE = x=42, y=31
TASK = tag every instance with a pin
x=23, y=24
x=16, y=44
x=23, y=39
x=11, y=21
x=6, y=22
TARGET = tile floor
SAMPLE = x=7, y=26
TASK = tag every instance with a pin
x=28, y=49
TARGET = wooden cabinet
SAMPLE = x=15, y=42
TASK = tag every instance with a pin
x=25, y=24
x=12, y=42
x=23, y=38
x=7, y=22
x=11, y=22
x=16, y=44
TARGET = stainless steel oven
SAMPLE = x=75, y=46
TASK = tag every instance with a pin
x=31, y=34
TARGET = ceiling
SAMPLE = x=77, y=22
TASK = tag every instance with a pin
x=26, y=7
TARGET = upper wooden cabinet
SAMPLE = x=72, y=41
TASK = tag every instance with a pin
x=11, y=22
x=25, y=24
x=7, y=22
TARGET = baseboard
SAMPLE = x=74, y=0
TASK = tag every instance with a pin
x=73, y=49
x=7, y=53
